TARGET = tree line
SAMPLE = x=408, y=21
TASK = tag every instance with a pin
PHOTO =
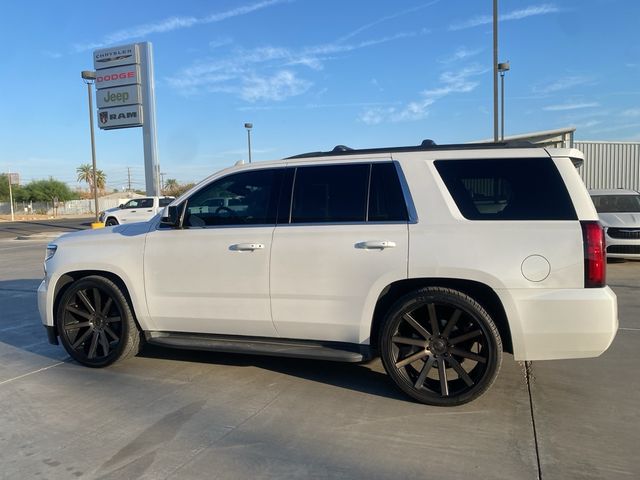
x=51, y=189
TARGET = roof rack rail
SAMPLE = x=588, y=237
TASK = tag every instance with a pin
x=426, y=145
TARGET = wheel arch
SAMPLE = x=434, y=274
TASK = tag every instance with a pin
x=68, y=278
x=480, y=292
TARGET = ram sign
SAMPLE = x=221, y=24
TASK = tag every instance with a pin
x=119, y=87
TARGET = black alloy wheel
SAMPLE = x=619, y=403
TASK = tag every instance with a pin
x=111, y=222
x=95, y=322
x=440, y=347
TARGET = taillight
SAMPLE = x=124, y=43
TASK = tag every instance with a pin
x=595, y=257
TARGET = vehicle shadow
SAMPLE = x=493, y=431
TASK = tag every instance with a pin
x=366, y=378
x=21, y=328
x=20, y=325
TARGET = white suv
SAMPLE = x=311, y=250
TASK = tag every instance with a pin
x=435, y=258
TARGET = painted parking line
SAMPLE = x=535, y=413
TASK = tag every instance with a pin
x=31, y=373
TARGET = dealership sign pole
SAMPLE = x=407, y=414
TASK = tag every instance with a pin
x=126, y=98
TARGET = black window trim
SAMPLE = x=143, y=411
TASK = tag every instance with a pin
x=412, y=216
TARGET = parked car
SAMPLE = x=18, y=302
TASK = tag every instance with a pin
x=619, y=213
x=135, y=210
x=436, y=258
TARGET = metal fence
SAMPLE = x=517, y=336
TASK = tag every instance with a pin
x=610, y=164
x=72, y=207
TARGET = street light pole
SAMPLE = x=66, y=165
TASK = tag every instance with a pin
x=249, y=126
x=89, y=77
x=502, y=68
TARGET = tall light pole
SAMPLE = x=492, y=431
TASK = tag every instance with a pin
x=89, y=77
x=249, y=126
x=502, y=68
x=495, y=70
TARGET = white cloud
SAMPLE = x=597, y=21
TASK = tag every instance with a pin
x=242, y=66
x=632, y=112
x=570, y=106
x=220, y=42
x=276, y=87
x=450, y=82
x=174, y=23
x=460, y=54
x=53, y=55
x=533, y=10
x=367, y=26
x=563, y=83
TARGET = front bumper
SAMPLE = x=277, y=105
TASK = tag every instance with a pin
x=622, y=248
x=551, y=324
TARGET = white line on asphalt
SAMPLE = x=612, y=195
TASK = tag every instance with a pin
x=628, y=328
x=31, y=373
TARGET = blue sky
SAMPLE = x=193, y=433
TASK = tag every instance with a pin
x=311, y=74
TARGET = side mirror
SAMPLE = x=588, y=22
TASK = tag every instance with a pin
x=121, y=205
x=173, y=215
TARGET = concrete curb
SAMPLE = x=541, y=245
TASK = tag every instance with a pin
x=41, y=236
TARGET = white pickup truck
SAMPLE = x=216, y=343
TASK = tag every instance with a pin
x=135, y=210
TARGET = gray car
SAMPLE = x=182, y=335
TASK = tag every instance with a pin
x=619, y=212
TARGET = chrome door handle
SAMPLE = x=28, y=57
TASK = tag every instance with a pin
x=243, y=247
x=376, y=244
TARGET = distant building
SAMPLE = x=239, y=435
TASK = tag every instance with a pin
x=606, y=164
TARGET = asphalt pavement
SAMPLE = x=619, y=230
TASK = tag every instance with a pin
x=192, y=415
x=12, y=230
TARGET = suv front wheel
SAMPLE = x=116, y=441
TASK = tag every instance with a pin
x=95, y=322
x=440, y=346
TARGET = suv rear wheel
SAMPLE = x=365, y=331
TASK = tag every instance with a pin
x=96, y=324
x=440, y=346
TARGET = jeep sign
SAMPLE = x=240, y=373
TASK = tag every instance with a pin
x=119, y=96
x=120, y=117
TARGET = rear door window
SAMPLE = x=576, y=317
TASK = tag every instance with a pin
x=507, y=189
x=330, y=194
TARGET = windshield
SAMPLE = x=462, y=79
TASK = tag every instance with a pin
x=617, y=203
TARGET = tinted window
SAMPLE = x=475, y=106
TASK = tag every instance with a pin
x=507, y=189
x=165, y=201
x=386, y=200
x=617, y=203
x=146, y=203
x=247, y=198
x=329, y=194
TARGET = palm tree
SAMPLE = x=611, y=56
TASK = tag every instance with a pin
x=170, y=186
x=85, y=174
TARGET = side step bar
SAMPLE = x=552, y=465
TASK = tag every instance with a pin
x=333, y=351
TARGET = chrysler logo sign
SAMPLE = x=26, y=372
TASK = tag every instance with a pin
x=116, y=56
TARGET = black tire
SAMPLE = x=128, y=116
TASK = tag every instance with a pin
x=440, y=347
x=111, y=222
x=96, y=324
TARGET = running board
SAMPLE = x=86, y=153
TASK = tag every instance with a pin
x=333, y=351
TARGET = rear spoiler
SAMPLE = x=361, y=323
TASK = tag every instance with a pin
x=576, y=156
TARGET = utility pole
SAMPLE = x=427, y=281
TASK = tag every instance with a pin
x=128, y=179
x=162, y=174
x=11, y=196
x=495, y=70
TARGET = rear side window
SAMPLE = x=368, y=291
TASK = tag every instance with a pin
x=386, y=200
x=507, y=189
x=165, y=201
